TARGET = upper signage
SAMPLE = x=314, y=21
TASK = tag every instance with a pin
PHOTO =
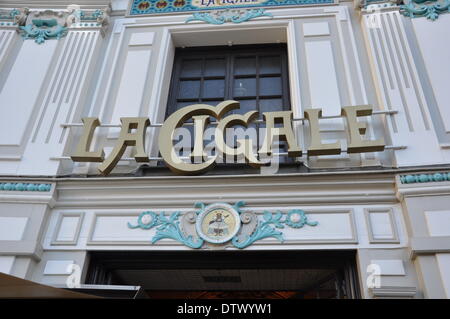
x=278, y=126
x=143, y=7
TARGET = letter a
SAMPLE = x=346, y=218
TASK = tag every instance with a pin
x=125, y=139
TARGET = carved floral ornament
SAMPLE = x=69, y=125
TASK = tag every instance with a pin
x=133, y=133
x=220, y=225
x=42, y=25
x=425, y=8
x=430, y=9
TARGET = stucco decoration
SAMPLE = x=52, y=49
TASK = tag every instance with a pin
x=233, y=16
x=424, y=8
x=78, y=18
x=214, y=226
x=44, y=25
x=13, y=17
x=49, y=24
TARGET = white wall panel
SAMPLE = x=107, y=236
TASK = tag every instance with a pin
x=21, y=90
x=57, y=267
x=322, y=77
x=438, y=223
x=435, y=53
x=390, y=267
x=114, y=228
x=381, y=225
x=443, y=261
x=316, y=28
x=133, y=78
x=68, y=228
x=331, y=226
x=6, y=264
x=12, y=228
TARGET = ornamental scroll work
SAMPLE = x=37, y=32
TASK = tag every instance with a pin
x=42, y=25
x=148, y=7
x=431, y=9
x=278, y=126
x=220, y=225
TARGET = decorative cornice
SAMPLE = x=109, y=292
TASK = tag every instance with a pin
x=25, y=187
x=233, y=16
x=431, y=9
x=425, y=178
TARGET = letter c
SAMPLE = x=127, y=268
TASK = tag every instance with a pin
x=176, y=120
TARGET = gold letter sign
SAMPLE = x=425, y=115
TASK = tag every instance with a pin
x=134, y=129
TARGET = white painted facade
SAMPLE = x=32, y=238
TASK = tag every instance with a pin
x=339, y=54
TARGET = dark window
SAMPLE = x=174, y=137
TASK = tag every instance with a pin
x=256, y=76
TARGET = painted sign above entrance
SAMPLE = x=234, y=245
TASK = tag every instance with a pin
x=144, y=7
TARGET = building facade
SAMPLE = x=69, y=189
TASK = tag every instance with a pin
x=359, y=208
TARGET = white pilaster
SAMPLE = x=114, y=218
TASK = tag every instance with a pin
x=399, y=88
x=63, y=102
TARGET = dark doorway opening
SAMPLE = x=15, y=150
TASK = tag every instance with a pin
x=270, y=274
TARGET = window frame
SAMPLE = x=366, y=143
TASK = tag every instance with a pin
x=231, y=52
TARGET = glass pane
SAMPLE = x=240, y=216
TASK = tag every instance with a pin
x=183, y=104
x=189, y=89
x=270, y=86
x=215, y=67
x=191, y=68
x=214, y=89
x=270, y=64
x=245, y=65
x=246, y=106
x=270, y=105
x=244, y=87
x=213, y=103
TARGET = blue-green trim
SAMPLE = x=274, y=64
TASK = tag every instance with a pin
x=424, y=178
x=170, y=227
x=228, y=16
x=25, y=187
x=425, y=8
x=41, y=30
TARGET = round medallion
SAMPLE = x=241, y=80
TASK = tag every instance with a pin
x=218, y=223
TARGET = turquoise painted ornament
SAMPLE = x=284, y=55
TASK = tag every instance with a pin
x=166, y=227
x=25, y=187
x=295, y=218
x=431, y=9
x=220, y=223
x=147, y=7
x=41, y=30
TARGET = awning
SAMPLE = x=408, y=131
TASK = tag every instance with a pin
x=14, y=287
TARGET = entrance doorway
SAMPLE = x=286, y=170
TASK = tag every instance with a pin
x=269, y=274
